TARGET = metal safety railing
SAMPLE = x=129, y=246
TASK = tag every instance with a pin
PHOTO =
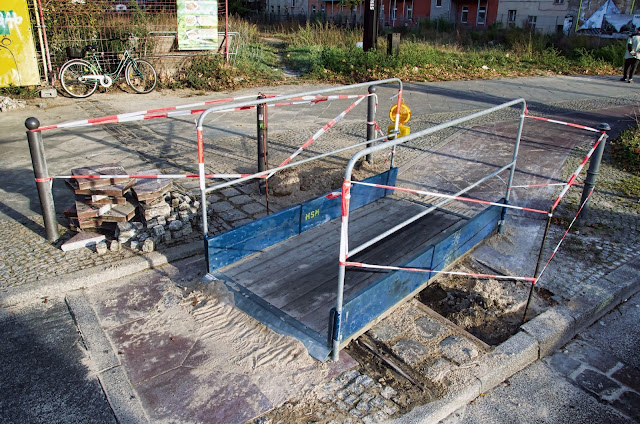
x=345, y=252
x=274, y=100
x=368, y=147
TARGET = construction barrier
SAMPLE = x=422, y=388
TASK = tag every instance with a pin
x=343, y=326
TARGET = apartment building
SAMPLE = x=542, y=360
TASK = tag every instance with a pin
x=546, y=16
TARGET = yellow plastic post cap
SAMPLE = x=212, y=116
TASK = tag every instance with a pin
x=405, y=113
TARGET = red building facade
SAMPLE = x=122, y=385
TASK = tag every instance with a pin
x=475, y=13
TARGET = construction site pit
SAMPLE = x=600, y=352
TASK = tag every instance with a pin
x=490, y=309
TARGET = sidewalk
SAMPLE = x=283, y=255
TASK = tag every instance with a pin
x=34, y=271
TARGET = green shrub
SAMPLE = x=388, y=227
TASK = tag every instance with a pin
x=20, y=92
x=626, y=150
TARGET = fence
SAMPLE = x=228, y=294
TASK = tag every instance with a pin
x=73, y=24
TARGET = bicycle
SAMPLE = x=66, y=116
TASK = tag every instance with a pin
x=80, y=77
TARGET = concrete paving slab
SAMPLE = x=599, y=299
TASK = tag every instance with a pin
x=186, y=395
x=536, y=394
x=617, y=332
x=192, y=357
x=82, y=240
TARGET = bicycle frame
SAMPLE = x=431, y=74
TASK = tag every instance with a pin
x=106, y=78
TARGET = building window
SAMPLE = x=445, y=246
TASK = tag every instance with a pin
x=322, y=8
x=482, y=15
x=278, y=10
x=313, y=8
x=410, y=12
x=382, y=12
x=394, y=11
x=272, y=9
x=293, y=3
x=438, y=3
x=464, y=16
x=531, y=22
x=558, y=1
x=511, y=18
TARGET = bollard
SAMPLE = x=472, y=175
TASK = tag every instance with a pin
x=43, y=182
x=262, y=144
x=592, y=172
x=393, y=44
x=371, y=118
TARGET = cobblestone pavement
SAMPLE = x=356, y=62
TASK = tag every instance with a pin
x=423, y=350
x=34, y=258
x=235, y=206
x=602, y=374
x=605, y=237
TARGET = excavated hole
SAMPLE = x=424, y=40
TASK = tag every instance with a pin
x=490, y=309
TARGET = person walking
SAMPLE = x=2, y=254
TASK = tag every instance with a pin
x=630, y=58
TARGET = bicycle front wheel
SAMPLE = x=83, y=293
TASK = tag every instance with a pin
x=141, y=76
x=71, y=78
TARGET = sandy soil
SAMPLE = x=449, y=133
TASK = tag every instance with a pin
x=490, y=309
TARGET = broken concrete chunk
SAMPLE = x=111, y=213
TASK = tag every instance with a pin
x=175, y=225
x=82, y=240
x=161, y=208
x=158, y=230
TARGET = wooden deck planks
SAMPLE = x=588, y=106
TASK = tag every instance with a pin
x=299, y=275
x=267, y=259
x=316, y=256
x=395, y=250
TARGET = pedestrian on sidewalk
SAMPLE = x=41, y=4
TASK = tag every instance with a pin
x=630, y=58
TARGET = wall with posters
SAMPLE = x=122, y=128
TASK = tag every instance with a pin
x=18, y=61
x=197, y=24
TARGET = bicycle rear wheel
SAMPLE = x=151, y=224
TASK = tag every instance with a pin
x=141, y=76
x=70, y=75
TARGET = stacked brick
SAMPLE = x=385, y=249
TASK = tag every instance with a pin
x=143, y=212
x=100, y=203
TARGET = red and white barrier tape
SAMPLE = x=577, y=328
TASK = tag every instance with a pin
x=448, y=196
x=322, y=131
x=172, y=111
x=124, y=117
x=569, y=124
x=555, y=250
x=142, y=176
x=400, y=268
x=576, y=173
x=543, y=185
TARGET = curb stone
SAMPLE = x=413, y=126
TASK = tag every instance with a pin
x=123, y=401
x=464, y=389
x=538, y=338
x=90, y=277
x=507, y=359
x=94, y=338
x=552, y=329
x=114, y=381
